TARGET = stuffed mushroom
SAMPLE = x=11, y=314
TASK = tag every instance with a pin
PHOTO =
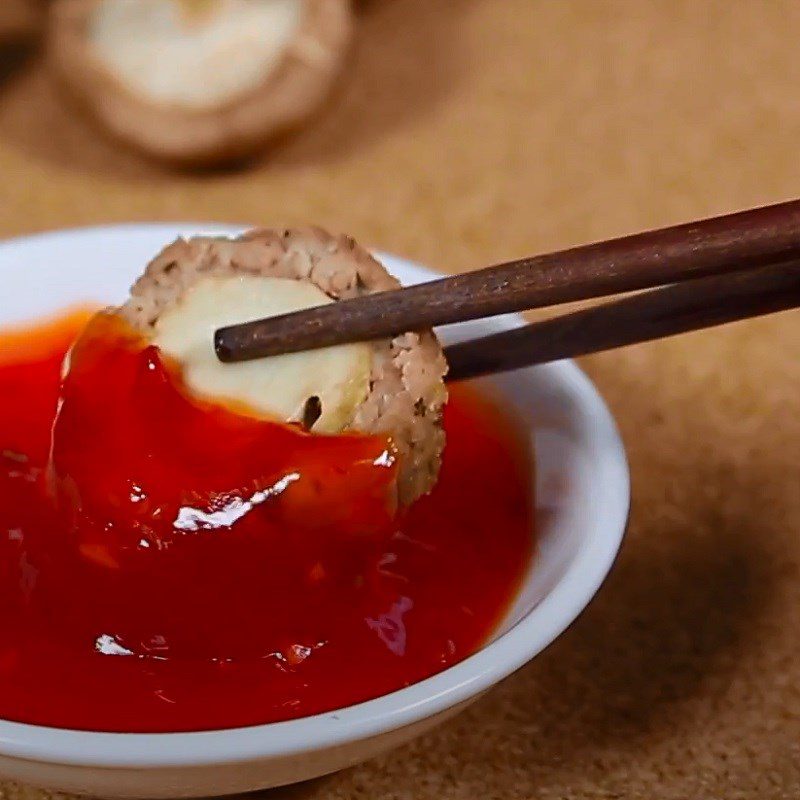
x=393, y=387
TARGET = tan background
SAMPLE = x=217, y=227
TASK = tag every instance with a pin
x=477, y=130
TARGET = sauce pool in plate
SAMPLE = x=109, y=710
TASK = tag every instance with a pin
x=210, y=624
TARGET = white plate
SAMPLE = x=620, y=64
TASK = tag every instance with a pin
x=582, y=496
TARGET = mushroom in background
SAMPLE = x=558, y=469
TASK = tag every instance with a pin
x=199, y=82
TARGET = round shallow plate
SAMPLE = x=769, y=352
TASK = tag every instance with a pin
x=582, y=496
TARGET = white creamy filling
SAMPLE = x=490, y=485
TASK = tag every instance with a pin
x=278, y=387
x=162, y=52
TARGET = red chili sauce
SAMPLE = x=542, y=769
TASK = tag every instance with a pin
x=168, y=564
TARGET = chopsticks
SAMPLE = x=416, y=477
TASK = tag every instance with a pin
x=689, y=306
x=691, y=254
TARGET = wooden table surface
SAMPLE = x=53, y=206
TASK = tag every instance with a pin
x=472, y=131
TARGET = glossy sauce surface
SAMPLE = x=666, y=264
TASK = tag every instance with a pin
x=173, y=565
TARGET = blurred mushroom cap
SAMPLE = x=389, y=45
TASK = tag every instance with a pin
x=199, y=82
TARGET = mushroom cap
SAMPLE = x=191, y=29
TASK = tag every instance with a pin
x=406, y=388
x=296, y=82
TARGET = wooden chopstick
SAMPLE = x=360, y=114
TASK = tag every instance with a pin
x=721, y=244
x=654, y=314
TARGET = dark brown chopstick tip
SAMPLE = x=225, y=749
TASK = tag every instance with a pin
x=222, y=347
